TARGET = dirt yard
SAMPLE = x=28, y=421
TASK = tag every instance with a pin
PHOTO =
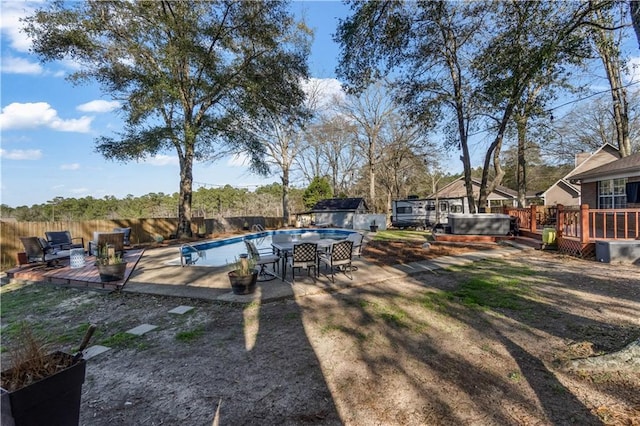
x=493, y=343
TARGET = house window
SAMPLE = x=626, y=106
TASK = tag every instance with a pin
x=612, y=194
x=403, y=210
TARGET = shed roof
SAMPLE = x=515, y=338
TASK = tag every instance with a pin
x=338, y=204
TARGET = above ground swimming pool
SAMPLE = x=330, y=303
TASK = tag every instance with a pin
x=225, y=252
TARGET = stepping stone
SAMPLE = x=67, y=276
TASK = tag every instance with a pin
x=141, y=329
x=180, y=310
x=94, y=350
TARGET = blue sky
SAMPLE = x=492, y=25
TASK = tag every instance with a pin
x=48, y=126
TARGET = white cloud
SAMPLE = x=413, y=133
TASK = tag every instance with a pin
x=40, y=114
x=99, y=106
x=21, y=154
x=10, y=24
x=72, y=166
x=79, y=190
x=323, y=91
x=77, y=125
x=13, y=65
x=162, y=160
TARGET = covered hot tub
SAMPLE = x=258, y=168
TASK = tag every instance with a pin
x=480, y=223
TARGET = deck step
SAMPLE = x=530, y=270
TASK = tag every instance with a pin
x=530, y=242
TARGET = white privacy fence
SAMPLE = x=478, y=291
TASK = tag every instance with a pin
x=364, y=221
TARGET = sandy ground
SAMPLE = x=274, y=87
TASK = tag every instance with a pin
x=416, y=351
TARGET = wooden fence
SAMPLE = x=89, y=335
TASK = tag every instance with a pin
x=142, y=230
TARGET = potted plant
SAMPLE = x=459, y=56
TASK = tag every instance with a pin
x=43, y=387
x=373, y=226
x=244, y=275
x=110, y=265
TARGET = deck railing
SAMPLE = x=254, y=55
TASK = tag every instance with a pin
x=581, y=222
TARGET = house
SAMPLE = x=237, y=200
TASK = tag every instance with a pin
x=566, y=191
x=338, y=212
x=615, y=185
x=455, y=193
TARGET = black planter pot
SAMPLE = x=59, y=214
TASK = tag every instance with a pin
x=373, y=228
x=54, y=400
x=112, y=272
x=243, y=284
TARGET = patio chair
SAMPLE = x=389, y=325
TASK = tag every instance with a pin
x=356, y=238
x=338, y=257
x=280, y=238
x=262, y=260
x=304, y=256
x=127, y=234
x=100, y=239
x=38, y=250
x=61, y=240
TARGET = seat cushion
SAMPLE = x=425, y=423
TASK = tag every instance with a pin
x=46, y=247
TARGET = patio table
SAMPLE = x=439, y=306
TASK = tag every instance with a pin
x=285, y=248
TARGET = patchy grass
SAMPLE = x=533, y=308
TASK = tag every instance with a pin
x=402, y=235
x=190, y=335
x=123, y=340
x=20, y=300
x=23, y=305
x=485, y=288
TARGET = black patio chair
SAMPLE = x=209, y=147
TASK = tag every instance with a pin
x=62, y=240
x=38, y=250
x=339, y=257
x=304, y=256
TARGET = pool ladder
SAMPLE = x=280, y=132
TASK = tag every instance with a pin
x=192, y=255
x=258, y=228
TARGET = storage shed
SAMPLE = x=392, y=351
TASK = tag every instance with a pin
x=338, y=212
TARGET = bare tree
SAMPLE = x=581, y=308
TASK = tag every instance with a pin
x=405, y=157
x=607, y=45
x=591, y=125
x=369, y=112
x=331, y=142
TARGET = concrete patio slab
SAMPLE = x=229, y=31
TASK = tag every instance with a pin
x=142, y=329
x=93, y=351
x=181, y=310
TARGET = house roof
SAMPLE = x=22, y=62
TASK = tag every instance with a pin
x=456, y=189
x=566, y=186
x=338, y=204
x=627, y=166
x=596, y=159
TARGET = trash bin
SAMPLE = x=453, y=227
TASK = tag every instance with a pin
x=549, y=236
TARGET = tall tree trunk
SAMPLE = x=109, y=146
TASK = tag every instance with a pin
x=372, y=174
x=185, y=198
x=494, y=153
x=285, y=196
x=609, y=53
x=521, y=167
x=634, y=5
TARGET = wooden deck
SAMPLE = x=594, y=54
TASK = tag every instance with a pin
x=84, y=277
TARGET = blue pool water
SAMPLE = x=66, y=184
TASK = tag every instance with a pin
x=224, y=252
